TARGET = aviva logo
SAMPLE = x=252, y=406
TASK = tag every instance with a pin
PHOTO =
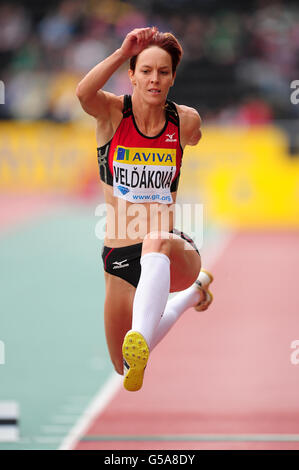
x=145, y=156
x=122, y=153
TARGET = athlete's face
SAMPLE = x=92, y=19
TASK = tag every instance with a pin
x=153, y=74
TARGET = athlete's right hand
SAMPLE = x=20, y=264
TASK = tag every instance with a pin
x=137, y=40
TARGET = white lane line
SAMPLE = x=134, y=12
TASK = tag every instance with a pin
x=97, y=405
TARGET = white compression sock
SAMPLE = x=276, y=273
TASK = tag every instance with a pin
x=151, y=294
x=174, y=309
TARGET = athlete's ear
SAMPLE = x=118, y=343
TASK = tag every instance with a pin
x=131, y=76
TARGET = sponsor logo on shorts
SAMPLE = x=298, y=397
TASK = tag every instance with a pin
x=119, y=264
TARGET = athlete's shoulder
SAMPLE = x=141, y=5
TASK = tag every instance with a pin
x=188, y=116
x=190, y=124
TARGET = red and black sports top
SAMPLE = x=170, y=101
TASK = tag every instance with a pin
x=140, y=168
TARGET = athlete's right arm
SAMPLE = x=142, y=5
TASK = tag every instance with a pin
x=93, y=99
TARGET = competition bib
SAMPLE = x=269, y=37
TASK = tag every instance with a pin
x=143, y=174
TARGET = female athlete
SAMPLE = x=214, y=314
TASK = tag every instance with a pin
x=141, y=139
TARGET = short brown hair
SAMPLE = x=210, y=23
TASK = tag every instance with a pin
x=169, y=43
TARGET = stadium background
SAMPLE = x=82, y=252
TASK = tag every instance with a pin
x=238, y=64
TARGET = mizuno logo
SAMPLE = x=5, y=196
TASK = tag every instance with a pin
x=120, y=264
x=170, y=138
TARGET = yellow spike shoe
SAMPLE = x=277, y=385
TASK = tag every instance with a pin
x=202, y=283
x=135, y=353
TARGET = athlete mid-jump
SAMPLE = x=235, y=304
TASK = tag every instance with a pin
x=141, y=139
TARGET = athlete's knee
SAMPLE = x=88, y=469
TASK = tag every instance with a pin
x=156, y=242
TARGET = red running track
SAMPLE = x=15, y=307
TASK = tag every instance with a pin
x=224, y=373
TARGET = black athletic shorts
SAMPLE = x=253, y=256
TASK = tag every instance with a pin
x=124, y=262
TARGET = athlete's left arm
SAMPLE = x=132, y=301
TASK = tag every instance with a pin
x=190, y=123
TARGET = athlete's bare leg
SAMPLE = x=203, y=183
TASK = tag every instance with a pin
x=118, y=316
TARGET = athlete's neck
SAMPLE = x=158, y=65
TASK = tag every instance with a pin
x=149, y=118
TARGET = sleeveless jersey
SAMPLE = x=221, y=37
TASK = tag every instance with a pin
x=140, y=168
